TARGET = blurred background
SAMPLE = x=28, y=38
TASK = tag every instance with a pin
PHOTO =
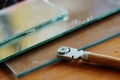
x=6, y=3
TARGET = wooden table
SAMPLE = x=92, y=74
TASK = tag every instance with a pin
x=69, y=71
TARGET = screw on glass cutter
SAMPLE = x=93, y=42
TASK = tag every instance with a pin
x=75, y=54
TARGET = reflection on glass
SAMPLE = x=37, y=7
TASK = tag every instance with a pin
x=27, y=17
x=37, y=58
x=80, y=12
x=24, y=19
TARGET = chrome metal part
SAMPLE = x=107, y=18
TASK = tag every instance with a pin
x=69, y=53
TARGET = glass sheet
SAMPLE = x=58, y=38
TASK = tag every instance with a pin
x=24, y=19
x=39, y=57
x=79, y=15
x=87, y=12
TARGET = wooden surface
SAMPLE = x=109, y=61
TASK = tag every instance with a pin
x=84, y=71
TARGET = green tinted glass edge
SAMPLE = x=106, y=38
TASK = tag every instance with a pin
x=62, y=34
x=58, y=59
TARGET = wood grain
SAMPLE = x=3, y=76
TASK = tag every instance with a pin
x=69, y=71
x=104, y=60
x=84, y=71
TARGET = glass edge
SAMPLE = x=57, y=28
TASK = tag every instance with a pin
x=25, y=50
x=31, y=31
x=58, y=59
x=62, y=34
x=59, y=17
